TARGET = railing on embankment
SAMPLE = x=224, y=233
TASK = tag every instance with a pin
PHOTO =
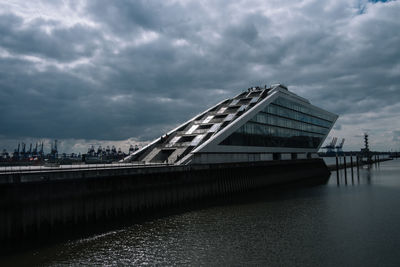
x=38, y=206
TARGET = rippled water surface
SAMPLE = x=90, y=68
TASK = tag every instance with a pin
x=357, y=224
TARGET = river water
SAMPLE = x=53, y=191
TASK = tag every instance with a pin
x=357, y=224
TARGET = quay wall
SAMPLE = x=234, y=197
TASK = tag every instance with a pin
x=36, y=206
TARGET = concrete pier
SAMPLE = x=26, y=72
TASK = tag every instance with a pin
x=36, y=206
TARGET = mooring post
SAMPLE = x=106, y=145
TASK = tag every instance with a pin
x=351, y=164
x=358, y=167
x=337, y=169
x=345, y=169
x=358, y=163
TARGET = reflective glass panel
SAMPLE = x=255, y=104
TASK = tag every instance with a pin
x=283, y=123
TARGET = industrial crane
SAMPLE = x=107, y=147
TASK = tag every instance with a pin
x=339, y=147
x=330, y=148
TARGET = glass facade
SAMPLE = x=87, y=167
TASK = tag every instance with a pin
x=283, y=123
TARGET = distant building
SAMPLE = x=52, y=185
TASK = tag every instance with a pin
x=259, y=124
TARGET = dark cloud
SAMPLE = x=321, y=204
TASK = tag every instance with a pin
x=63, y=44
x=114, y=70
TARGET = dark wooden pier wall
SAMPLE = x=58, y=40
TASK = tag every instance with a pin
x=38, y=206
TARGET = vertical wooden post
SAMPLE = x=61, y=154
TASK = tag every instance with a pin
x=345, y=169
x=337, y=170
x=358, y=166
x=351, y=164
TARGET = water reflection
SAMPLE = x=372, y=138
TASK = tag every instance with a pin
x=326, y=225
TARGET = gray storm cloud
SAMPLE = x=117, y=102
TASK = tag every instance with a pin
x=104, y=70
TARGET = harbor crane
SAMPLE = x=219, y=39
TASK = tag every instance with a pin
x=41, y=152
x=339, y=148
x=23, y=152
x=330, y=148
x=35, y=151
x=54, y=150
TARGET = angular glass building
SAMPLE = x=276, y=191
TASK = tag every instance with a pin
x=260, y=124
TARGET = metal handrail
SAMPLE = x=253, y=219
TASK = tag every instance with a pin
x=29, y=169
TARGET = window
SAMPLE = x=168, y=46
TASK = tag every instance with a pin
x=283, y=123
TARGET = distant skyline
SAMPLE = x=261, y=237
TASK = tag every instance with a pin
x=125, y=72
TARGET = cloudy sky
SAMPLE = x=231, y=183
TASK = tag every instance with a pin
x=121, y=72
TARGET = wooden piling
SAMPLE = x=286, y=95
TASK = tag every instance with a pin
x=352, y=172
x=358, y=163
x=337, y=170
x=345, y=169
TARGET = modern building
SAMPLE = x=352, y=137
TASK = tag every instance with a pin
x=260, y=124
